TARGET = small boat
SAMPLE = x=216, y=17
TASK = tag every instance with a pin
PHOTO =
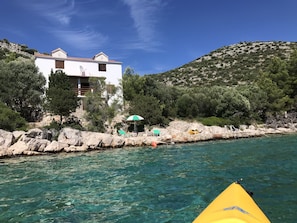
x=233, y=205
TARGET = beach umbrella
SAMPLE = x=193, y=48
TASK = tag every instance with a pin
x=135, y=118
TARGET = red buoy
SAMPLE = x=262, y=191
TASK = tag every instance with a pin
x=154, y=144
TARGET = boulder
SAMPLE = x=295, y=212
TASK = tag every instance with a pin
x=38, y=144
x=34, y=133
x=93, y=140
x=6, y=139
x=107, y=141
x=117, y=142
x=18, y=134
x=18, y=148
x=70, y=136
x=96, y=140
x=55, y=146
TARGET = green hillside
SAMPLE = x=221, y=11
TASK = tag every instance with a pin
x=230, y=65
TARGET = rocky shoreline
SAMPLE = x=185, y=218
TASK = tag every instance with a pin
x=40, y=142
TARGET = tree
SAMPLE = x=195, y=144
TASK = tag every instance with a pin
x=186, y=106
x=277, y=100
x=167, y=95
x=233, y=105
x=98, y=104
x=133, y=84
x=60, y=97
x=292, y=69
x=257, y=99
x=149, y=108
x=22, y=87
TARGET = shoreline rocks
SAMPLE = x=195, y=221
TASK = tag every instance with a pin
x=39, y=142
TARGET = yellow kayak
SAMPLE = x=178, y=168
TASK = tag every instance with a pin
x=233, y=205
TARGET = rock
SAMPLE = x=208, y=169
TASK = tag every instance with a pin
x=35, y=141
x=38, y=144
x=6, y=139
x=55, y=146
x=18, y=134
x=117, y=142
x=30, y=153
x=70, y=136
x=35, y=133
x=75, y=149
x=17, y=149
x=107, y=141
x=93, y=140
x=3, y=153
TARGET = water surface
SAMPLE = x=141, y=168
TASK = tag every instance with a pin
x=168, y=184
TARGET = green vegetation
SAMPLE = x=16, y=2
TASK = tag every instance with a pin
x=238, y=84
x=236, y=64
x=22, y=87
x=148, y=98
x=101, y=104
x=210, y=121
x=271, y=91
x=60, y=98
x=11, y=120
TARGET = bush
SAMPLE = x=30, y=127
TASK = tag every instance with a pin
x=211, y=121
x=71, y=122
x=11, y=120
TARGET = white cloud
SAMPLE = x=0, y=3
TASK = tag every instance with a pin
x=57, y=11
x=81, y=39
x=59, y=15
x=144, y=15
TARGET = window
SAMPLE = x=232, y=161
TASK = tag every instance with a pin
x=102, y=67
x=60, y=64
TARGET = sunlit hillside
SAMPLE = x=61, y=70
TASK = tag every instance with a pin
x=230, y=65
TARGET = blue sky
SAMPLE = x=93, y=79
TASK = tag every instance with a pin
x=150, y=36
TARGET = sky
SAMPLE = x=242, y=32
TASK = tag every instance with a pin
x=149, y=36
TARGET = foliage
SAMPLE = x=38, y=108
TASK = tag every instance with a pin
x=278, y=84
x=167, y=95
x=71, y=122
x=148, y=107
x=11, y=120
x=257, y=99
x=187, y=106
x=101, y=104
x=22, y=87
x=215, y=121
x=60, y=97
x=236, y=64
x=133, y=84
x=236, y=90
x=143, y=92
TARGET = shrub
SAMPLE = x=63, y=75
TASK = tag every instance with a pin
x=11, y=120
x=211, y=121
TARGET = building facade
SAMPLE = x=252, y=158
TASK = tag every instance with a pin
x=80, y=70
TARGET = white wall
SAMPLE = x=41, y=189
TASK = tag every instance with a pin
x=112, y=74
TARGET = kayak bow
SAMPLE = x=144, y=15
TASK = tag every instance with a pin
x=233, y=205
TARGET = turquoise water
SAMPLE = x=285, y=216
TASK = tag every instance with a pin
x=168, y=184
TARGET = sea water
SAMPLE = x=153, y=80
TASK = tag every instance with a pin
x=167, y=184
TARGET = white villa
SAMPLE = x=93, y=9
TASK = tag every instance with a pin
x=80, y=69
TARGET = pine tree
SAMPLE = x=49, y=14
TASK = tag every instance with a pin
x=60, y=97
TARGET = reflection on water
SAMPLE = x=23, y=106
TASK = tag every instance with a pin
x=169, y=184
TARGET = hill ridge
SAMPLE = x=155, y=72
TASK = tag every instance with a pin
x=235, y=64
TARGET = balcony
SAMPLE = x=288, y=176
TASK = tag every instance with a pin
x=81, y=92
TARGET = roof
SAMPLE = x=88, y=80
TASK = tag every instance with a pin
x=47, y=56
x=59, y=49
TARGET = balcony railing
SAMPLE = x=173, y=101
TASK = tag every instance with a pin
x=82, y=91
